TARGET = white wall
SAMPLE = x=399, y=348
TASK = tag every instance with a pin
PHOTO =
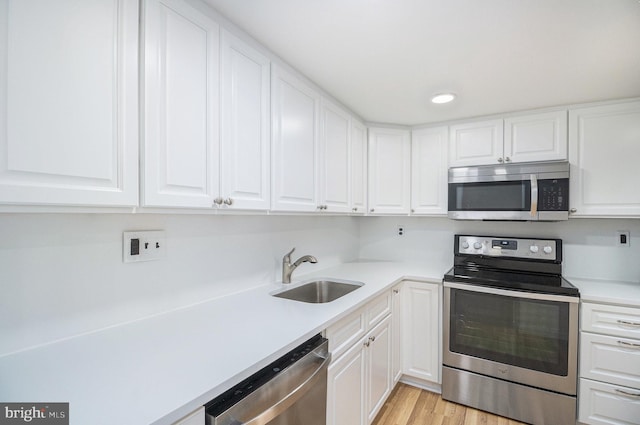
x=62, y=274
x=590, y=249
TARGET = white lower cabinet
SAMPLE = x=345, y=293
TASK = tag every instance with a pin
x=421, y=334
x=609, y=388
x=359, y=377
x=396, y=332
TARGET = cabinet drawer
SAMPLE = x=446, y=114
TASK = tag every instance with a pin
x=607, y=404
x=611, y=320
x=346, y=332
x=610, y=359
x=378, y=309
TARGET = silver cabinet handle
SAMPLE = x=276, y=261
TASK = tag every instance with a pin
x=372, y=338
x=507, y=159
x=372, y=210
x=354, y=209
x=628, y=394
x=228, y=201
x=395, y=291
x=218, y=201
x=500, y=160
x=629, y=344
x=626, y=322
x=366, y=344
x=573, y=210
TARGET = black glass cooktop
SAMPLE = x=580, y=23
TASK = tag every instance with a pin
x=517, y=280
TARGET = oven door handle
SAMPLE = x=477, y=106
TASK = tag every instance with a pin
x=512, y=293
x=534, y=195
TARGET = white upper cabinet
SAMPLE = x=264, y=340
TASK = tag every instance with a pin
x=334, y=158
x=429, y=171
x=181, y=129
x=476, y=143
x=68, y=102
x=295, y=115
x=358, y=153
x=389, y=171
x=245, y=145
x=526, y=138
x=604, y=152
x=539, y=137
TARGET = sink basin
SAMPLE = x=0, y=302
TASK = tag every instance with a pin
x=319, y=291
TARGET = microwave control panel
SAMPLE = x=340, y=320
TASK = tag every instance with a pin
x=553, y=195
x=539, y=249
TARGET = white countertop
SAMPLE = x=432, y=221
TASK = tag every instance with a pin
x=608, y=291
x=161, y=368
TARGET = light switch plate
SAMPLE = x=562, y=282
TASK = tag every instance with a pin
x=144, y=245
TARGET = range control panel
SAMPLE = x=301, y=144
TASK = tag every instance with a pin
x=539, y=249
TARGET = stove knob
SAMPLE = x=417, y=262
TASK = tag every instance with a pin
x=477, y=245
x=533, y=248
x=465, y=245
x=547, y=249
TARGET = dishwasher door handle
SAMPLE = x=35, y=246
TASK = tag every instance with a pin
x=288, y=400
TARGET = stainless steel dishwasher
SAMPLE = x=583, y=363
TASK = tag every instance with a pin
x=290, y=391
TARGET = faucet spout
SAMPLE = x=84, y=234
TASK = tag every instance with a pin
x=288, y=268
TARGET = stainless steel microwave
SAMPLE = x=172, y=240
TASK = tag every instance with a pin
x=534, y=191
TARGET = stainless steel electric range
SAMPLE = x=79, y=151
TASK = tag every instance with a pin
x=511, y=329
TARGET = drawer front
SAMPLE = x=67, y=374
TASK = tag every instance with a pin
x=604, y=404
x=346, y=332
x=378, y=309
x=611, y=320
x=610, y=359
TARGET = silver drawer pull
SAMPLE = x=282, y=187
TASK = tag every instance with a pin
x=627, y=393
x=625, y=322
x=629, y=344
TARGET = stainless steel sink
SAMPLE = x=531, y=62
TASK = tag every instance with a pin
x=319, y=291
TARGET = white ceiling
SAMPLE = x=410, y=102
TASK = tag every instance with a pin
x=385, y=58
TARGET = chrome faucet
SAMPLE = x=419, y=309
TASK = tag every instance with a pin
x=288, y=268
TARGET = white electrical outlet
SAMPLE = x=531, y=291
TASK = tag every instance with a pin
x=400, y=230
x=143, y=246
x=624, y=238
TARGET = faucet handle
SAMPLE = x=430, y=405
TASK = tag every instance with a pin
x=287, y=256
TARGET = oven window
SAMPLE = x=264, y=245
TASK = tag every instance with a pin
x=531, y=334
x=492, y=196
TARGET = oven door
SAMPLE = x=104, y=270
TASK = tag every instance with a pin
x=524, y=337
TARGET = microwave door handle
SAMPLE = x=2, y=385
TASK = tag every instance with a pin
x=534, y=195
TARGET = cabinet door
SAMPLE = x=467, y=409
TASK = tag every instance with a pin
x=389, y=171
x=334, y=158
x=245, y=145
x=295, y=114
x=68, y=102
x=181, y=142
x=421, y=330
x=476, y=143
x=610, y=359
x=429, y=171
x=539, y=137
x=604, y=147
x=604, y=404
x=345, y=388
x=358, y=153
x=378, y=367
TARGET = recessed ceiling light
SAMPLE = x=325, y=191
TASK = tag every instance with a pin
x=443, y=98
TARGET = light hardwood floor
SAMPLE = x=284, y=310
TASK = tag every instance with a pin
x=412, y=406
